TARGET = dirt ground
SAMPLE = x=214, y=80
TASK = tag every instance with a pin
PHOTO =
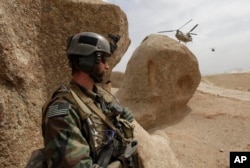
x=219, y=122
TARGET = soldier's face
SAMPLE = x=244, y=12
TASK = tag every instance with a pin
x=102, y=66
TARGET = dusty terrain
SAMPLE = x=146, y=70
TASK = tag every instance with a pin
x=219, y=122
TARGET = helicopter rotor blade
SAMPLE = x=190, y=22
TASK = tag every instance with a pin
x=185, y=24
x=193, y=33
x=166, y=31
x=193, y=28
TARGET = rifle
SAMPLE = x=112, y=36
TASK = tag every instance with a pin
x=106, y=154
x=128, y=159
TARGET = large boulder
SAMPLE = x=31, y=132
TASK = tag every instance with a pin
x=154, y=149
x=160, y=78
x=117, y=79
x=1, y=108
x=33, y=62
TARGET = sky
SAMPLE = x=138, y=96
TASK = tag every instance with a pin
x=222, y=24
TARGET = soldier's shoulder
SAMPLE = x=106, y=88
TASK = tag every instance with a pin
x=58, y=108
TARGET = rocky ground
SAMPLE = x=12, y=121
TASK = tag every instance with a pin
x=219, y=122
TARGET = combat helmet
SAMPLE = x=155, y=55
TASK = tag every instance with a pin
x=84, y=46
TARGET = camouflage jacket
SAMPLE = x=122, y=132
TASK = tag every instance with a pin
x=73, y=137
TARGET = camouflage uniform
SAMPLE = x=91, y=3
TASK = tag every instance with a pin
x=75, y=138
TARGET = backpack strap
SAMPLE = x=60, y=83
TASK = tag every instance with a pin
x=79, y=102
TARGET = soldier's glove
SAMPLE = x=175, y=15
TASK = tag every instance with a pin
x=127, y=114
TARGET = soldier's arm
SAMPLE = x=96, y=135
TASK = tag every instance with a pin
x=64, y=144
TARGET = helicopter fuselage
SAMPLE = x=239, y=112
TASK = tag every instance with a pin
x=183, y=37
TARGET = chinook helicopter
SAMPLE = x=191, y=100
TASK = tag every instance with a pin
x=184, y=37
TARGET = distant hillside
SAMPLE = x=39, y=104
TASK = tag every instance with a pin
x=238, y=70
x=239, y=81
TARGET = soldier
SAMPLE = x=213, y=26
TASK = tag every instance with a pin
x=83, y=125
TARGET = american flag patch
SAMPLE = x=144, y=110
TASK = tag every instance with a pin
x=58, y=109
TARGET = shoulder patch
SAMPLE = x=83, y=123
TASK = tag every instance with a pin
x=58, y=109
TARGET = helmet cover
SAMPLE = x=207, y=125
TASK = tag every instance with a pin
x=87, y=43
